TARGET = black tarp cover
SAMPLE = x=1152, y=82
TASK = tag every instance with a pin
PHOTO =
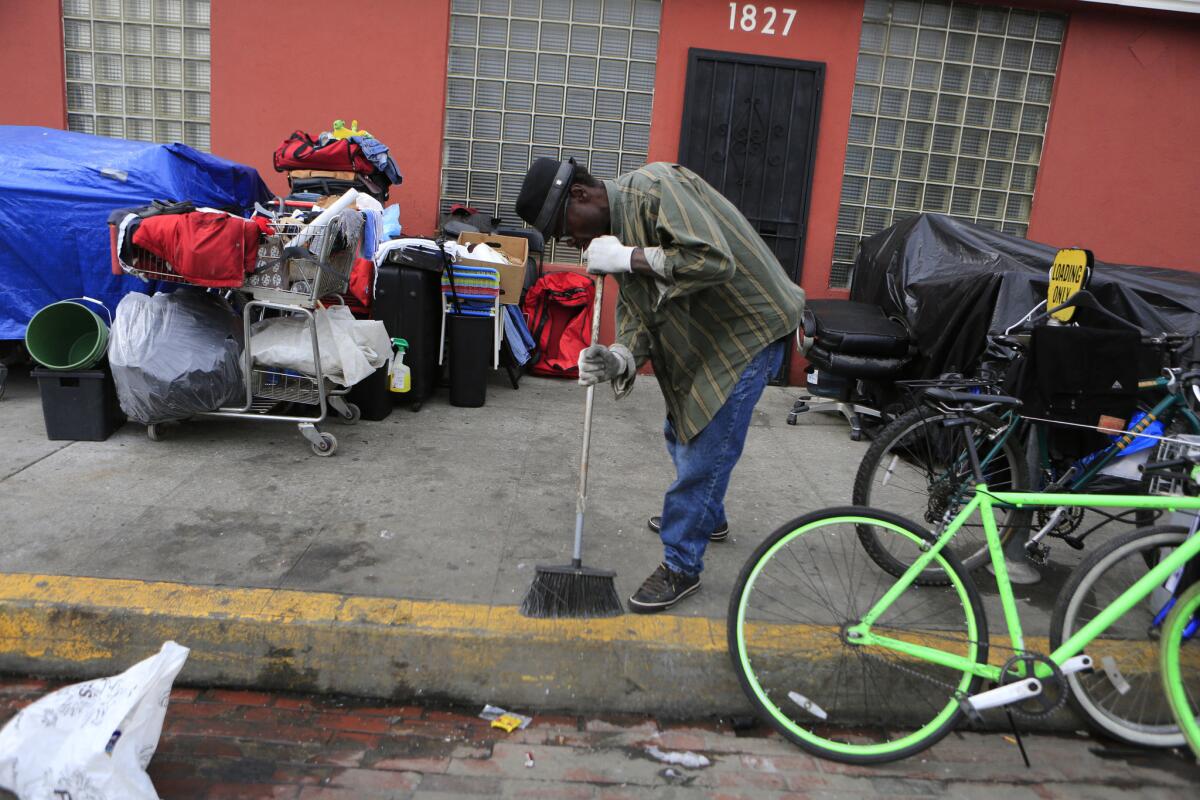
x=955, y=282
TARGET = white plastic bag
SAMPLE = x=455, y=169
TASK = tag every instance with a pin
x=351, y=349
x=92, y=740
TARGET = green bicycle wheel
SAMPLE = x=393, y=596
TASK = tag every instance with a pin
x=787, y=627
x=1180, y=666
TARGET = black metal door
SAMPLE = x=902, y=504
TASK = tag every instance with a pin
x=750, y=129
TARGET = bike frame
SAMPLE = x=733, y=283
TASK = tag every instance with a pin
x=984, y=502
x=1172, y=402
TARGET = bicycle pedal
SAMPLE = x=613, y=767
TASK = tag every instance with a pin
x=1038, y=554
x=791, y=418
x=1075, y=542
x=964, y=702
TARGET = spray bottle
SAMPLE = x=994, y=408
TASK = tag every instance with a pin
x=399, y=379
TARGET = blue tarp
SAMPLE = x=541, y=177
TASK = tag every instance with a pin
x=56, y=192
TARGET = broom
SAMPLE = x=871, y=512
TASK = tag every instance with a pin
x=574, y=590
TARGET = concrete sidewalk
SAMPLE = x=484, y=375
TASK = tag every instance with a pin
x=393, y=569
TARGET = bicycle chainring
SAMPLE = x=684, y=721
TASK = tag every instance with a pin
x=1067, y=524
x=1054, y=685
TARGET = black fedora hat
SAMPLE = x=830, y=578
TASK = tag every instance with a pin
x=544, y=194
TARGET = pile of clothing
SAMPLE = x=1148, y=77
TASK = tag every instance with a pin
x=335, y=161
x=204, y=246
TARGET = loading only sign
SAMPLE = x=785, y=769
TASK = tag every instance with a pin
x=1069, y=273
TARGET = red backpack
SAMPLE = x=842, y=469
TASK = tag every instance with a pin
x=558, y=310
x=301, y=151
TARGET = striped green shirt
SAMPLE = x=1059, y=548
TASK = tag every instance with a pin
x=724, y=298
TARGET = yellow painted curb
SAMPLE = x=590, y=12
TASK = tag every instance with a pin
x=286, y=607
x=80, y=627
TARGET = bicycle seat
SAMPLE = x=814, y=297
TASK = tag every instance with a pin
x=966, y=401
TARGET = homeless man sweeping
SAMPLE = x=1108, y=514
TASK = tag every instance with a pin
x=705, y=301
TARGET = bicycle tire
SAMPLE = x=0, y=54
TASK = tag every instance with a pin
x=1183, y=695
x=788, y=650
x=1104, y=698
x=918, y=435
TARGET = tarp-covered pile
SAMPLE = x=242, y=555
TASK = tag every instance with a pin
x=56, y=192
x=955, y=283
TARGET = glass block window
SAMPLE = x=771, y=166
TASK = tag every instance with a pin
x=948, y=115
x=544, y=78
x=138, y=69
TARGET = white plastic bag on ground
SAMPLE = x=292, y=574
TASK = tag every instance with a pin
x=92, y=740
x=351, y=349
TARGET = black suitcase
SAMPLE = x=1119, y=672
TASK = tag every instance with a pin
x=408, y=300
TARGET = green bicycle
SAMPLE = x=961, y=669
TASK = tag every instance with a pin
x=855, y=665
x=1180, y=643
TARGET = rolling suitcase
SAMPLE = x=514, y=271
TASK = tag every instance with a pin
x=408, y=300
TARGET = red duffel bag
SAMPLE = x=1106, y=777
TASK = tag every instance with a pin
x=301, y=151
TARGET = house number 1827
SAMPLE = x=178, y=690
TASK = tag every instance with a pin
x=746, y=17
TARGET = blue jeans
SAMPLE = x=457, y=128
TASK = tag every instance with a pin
x=695, y=504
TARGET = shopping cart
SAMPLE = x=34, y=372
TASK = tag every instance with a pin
x=298, y=269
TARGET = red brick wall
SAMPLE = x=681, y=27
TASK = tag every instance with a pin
x=279, y=65
x=32, y=91
x=1120, y=172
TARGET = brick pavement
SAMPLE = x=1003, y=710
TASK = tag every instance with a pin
x=226, y=745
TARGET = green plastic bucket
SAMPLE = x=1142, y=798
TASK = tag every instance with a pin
x=66, y=335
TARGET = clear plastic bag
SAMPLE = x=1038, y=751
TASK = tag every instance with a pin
x=175, y=355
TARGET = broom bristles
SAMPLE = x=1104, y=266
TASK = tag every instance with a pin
x=569, y=591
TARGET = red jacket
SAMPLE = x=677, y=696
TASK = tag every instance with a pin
x=206, y=248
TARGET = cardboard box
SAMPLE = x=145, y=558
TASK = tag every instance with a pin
x=512, y=275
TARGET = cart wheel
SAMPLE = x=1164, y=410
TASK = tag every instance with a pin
x=328, y=445
x=154, y=434
x=354, y=412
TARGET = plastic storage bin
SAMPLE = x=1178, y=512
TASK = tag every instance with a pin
x=79, y=406
x=471, y=350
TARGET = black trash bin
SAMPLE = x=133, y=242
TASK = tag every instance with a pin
x=470, y=352
x=372, y=395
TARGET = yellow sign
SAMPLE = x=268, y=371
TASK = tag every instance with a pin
x=1070, y=272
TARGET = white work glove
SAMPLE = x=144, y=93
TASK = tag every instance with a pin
x=598, y=363
x=607, y=256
